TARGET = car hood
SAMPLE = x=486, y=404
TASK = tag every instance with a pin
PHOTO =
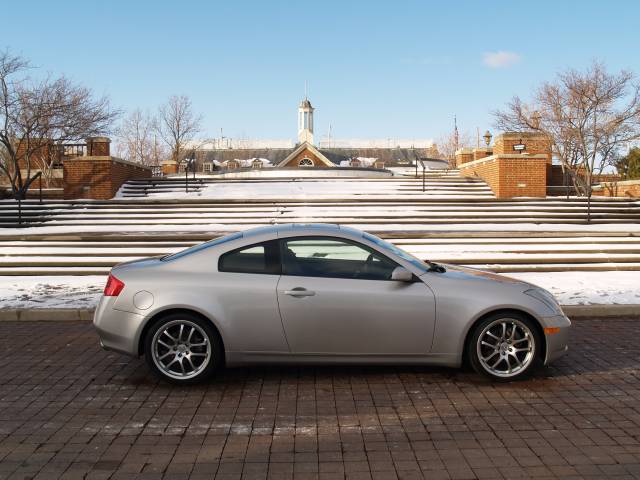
x=466, y=273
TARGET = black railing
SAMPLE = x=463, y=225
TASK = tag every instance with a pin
x=73, y=150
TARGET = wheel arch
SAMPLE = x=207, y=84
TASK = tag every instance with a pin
x=170, y=311
x=503, y=311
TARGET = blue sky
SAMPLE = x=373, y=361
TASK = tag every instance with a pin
x=375, y=69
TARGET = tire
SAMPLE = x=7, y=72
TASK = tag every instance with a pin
x=505, y=347
x=183, y=349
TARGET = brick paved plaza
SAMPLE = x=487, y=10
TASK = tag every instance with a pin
x=70, y=410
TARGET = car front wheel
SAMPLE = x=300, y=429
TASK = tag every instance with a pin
x=183, y=348
x=505, y=347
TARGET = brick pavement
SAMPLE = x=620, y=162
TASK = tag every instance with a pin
x=70, y=410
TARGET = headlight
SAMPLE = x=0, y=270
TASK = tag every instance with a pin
x=546, y=298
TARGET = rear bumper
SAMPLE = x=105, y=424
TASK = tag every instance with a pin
x=557, y=343
x=118, y=330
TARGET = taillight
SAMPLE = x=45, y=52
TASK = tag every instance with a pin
x=113, y=286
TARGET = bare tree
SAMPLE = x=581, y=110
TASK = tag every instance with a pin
x=138, y=140
x=177, y=125
x=36, y=117
x=589, y=116
x=450, y=142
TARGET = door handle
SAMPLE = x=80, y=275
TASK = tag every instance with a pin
x=299, y=292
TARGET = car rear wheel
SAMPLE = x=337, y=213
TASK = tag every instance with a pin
x=505, y=347
x=183, y=348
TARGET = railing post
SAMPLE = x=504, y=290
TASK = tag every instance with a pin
x=40, y=188
x=19, y=211
x=423, y=178
x=589, y=203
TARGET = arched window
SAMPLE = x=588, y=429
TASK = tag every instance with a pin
x=305, y=162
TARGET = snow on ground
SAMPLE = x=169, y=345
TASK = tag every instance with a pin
x=584, y=288
x=570, y=288
x=51, y=292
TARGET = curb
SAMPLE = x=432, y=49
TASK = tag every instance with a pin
x=46, y=314
x=574, y=312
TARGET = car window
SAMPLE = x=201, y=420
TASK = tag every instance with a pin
x=415, y=261
x=257, y=258
x=332, y=257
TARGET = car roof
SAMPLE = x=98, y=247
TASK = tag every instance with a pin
x=330, y=228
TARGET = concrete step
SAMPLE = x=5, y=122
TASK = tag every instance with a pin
x=285, y=202
x=559, y=267
x=481, y=258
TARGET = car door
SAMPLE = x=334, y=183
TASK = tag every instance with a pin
x=336, y=297
x=245, y=287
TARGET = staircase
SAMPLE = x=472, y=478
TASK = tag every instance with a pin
x=448, y=183
x=456, y=220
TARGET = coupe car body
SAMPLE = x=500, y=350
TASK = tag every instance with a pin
x=322, y=294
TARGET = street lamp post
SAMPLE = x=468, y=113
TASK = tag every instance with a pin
x=487, y=137
x=188, y=162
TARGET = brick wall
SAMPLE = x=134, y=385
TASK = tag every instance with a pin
x=99, y=177
x=626, y=188
x=511, y=175
x=37, y=157
x=169, y=167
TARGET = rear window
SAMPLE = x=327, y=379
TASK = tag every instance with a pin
x=258, y=258
x=202, y=246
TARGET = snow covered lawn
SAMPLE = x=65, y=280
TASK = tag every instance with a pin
x=570, y=288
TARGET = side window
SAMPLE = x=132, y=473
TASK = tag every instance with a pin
x=259, y=258
x=333, y=257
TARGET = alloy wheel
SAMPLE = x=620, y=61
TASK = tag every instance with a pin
x=181, y=349
x=506, y=347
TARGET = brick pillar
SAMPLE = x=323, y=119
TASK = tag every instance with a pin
x=98, y=147
x=463, y=155
x=534, y=144
x=483, y=152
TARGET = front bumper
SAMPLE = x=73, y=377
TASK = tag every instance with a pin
x=558, y=342
x=118, y=330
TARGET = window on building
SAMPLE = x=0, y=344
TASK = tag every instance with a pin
x=259, y=258
x=335, y=258
x=305, y=162
x=306, y=120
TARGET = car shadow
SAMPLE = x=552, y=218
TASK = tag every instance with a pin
x=597, y=347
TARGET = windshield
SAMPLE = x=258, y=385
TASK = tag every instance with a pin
x=202, y=246
x=401, y=253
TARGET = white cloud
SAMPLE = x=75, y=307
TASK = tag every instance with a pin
x=500, y=59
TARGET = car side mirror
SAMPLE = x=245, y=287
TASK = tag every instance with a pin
x=401, y=274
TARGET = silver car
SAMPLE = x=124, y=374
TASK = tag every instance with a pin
x=309, y=294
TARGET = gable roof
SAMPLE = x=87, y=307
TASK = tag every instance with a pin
x=307, y=146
